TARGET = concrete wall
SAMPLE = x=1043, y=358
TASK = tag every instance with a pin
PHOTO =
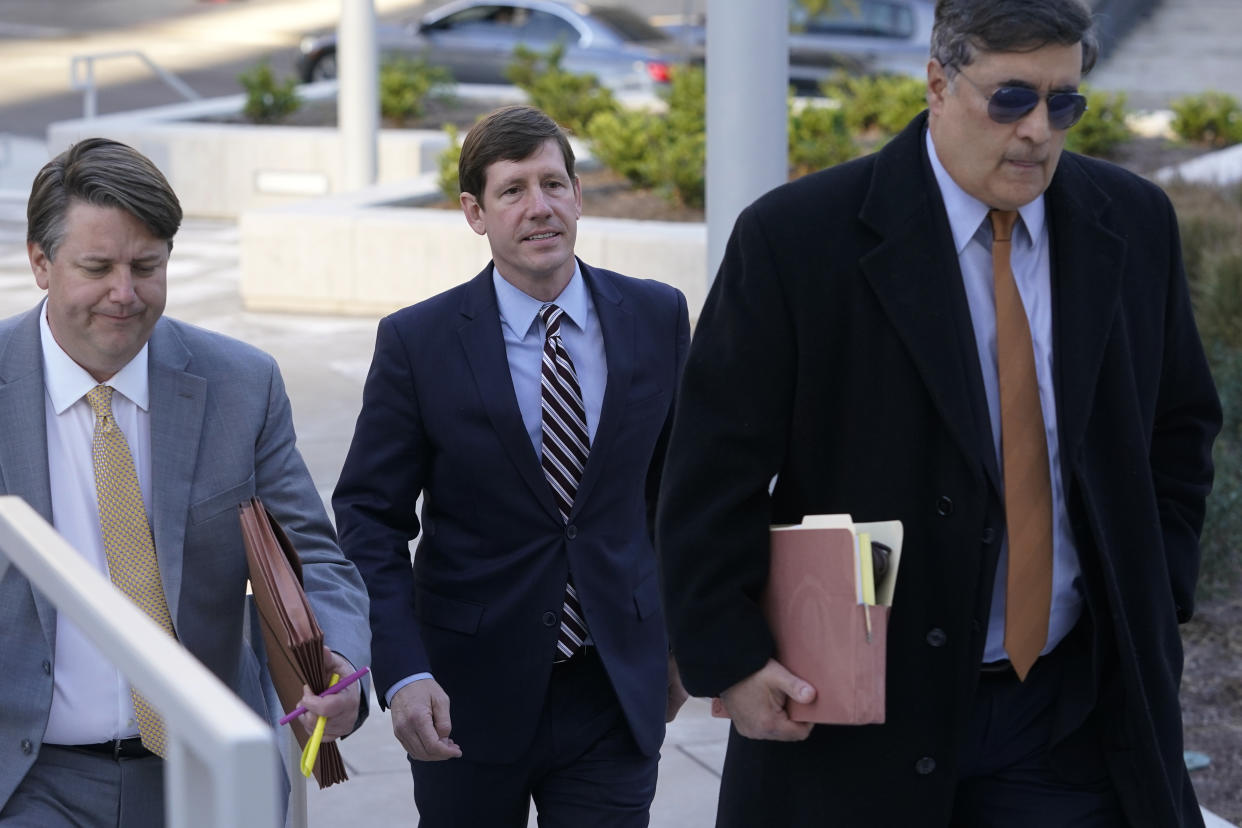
x=218, y=170
x=357, y=254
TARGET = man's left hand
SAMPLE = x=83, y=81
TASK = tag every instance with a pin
x=677, y=694
x=341, y=709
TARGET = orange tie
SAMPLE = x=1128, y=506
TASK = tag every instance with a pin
x=1024, y=453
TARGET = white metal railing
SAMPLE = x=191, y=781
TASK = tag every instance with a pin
x=221, y=769
x=82, y=76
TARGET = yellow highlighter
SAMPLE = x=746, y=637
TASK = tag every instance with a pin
x=311, y=752
x=867, y=569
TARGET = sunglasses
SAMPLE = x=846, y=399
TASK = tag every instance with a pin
x=1012, y=103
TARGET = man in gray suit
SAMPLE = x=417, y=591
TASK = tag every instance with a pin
x=204, y=424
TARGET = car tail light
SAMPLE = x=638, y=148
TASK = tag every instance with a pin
x=658, y=72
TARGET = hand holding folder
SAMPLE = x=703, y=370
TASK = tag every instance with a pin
x=291, y=635
x=827, y=604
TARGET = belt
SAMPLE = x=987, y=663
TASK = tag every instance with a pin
x=116, y=749
x=997, y=669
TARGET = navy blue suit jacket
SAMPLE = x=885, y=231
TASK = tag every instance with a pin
x=480, y=607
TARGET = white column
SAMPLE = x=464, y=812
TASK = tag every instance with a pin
x=747, y=83
x=357, y=103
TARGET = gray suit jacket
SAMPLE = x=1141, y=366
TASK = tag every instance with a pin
x=221, y=431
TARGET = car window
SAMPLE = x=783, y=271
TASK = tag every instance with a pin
x=865, y=18
x=496, y=19
x=547, y=28
x=627, y=24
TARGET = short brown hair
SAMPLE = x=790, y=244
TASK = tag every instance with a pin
x=104, y=173
x=511, y=133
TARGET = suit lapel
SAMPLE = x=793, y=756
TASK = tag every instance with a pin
x=914, y=274
x=178, y=403
x=1087, y=262
x=617, y=326
x=23, y=460
x=484, y=347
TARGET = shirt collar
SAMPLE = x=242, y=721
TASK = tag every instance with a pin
x=966, y=212
x=519, y=310
x=67, y=382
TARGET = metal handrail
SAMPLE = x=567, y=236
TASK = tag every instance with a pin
x=221, y=768
x=82, y=76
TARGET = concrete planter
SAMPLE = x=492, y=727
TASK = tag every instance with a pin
x=218, y=170
x=359, y=254
x=308, y=247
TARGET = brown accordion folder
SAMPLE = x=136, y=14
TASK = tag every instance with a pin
x=292, y=637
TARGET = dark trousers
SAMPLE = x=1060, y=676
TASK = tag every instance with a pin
x=1019, y=769
x=583, y=768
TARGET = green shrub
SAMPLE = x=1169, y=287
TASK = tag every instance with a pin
x=570, y=99
x=681, y=155
x=267, y=101
x=1212, y=118
x=818, y=138
x=1103, y=128
x=663, y=151
x=877, y=107
x=405, y=85
x=622, y=141
x=446, y=165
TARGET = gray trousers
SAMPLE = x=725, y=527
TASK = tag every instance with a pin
x=68, y=788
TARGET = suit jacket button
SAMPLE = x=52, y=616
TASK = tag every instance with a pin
x=571, y=531
x=944, y=506
x=47, y=668
x=27, y=747
x=549, y=619
x=988, y=535
x=936, y=637
x=925, y=766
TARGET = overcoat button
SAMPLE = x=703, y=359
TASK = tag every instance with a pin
x=27, y=747
x=571, y=531
x=988, y=535
x=944, y=506
x=925, y=766
x=549, y=619
x=936, y=637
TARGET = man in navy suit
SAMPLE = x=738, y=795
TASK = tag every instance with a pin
x=530, y=408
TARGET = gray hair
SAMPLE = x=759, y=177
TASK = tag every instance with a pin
x=966, y=27
x=104, y=173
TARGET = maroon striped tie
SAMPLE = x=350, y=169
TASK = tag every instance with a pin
x=565, y=446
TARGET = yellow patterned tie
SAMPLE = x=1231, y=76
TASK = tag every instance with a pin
x=127, y=540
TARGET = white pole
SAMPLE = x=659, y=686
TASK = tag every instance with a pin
x=357, y=103
x=747, y=84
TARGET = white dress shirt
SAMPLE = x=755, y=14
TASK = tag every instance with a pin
x=90, y=698
x=1030, y=262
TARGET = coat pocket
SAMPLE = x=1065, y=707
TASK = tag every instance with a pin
x=448, y=613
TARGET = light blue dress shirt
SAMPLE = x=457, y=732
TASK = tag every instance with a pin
x=1029, y=259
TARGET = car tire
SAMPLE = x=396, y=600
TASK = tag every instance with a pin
x=324, y=67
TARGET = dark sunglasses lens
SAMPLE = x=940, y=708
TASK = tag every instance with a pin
x=1065, y=108
x=1009, y=103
